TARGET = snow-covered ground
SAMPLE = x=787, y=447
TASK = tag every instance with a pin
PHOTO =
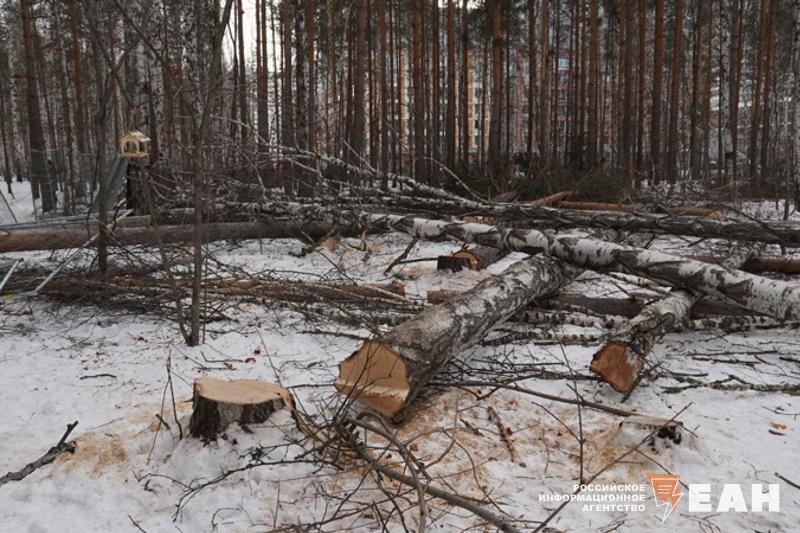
x=107, y=369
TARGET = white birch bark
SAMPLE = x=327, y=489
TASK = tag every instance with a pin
x=775, y=298
x=622, y=357
x=388, y=373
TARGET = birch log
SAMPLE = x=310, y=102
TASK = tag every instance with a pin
x=782, y=232
x=622, y=357
x=771, y=297
x=388, y=373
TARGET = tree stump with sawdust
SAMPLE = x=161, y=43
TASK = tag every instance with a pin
x=218, y=403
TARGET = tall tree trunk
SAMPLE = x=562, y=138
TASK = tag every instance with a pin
x=544, y=89
x=627, y=114
x=734, y=88
x=640, y=108
x=77, y=78
x=658, y=76
x=674, y=94
x=723, y=131
x=242, y=75
x=287, y=111
x=755, y=118
x=531, y=77
x=696, y=113
x=311, y=65
x=358, y=125
x=386, y=96
x=767, y=92
x=416, y=80
x=495, y=120
x=594, y=77
x=450, y=120
x=794, y=137
x=436, y=106
x=465, y=83
x=40, y=179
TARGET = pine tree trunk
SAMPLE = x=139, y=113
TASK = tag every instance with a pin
x=655, y=114
x=594, y=77
x=544, y=89
x=465, y=84
x=768, y=74
x=436, y=112
x=640, y=107
x=695, y=113
x=386, y=96
x=450, y=120
x=676, y=75
x=495, y=119
x=40, y=179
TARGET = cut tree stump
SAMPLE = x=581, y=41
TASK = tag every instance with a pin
x=218, y=403
x=388, y=373
x=622, y=357
x=476, y=258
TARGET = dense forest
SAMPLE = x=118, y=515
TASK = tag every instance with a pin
x=506, y=94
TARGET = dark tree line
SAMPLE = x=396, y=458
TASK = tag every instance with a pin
x=502, y=92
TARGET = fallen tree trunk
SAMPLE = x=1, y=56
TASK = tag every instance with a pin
x=622, y=357
x=552, y=199
x=772, y=297
x=76, y=237
x=388, y=373
x=476, y=258
x=786, y=233
x=758, y=265
x=634, y=208
x=630, y=307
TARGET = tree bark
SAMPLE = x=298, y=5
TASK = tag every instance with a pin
x=622, y=357
x=418, y=109
x=217, y=404
x=450, y=120
x=676, y=74
x=40, y=178
x=476, y=258
x=495, y=118
x=465, y=67
x=771, y=297
x=544, y=77
x=59, y=239
x=388, y=373
x=655, y=113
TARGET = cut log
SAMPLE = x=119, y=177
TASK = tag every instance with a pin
x=476, y=258
x=388, y=373
x=622, y=357
x=76, y=237
x=552, y=199
x=217, y=404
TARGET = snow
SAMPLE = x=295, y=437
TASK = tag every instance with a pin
x=56, y=359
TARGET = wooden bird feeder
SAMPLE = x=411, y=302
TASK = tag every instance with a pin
x=134, y=145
